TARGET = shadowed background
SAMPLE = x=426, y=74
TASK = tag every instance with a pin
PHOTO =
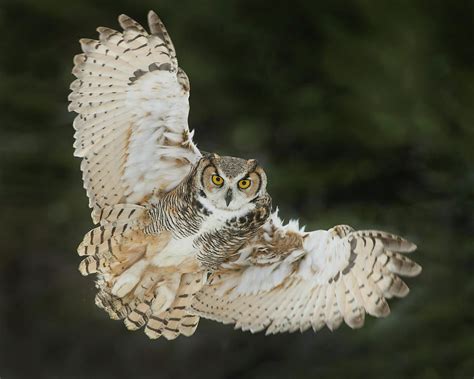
x=360, y=111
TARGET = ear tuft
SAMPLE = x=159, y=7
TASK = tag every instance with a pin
x=208, y=155
x=253, y=163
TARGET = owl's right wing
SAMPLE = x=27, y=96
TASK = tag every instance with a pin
x=286, y=279
x=132, y=104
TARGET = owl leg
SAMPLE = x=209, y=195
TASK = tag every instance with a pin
x=165, y=293
x=129, y=279
x=174, y=319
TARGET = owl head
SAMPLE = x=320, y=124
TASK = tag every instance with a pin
x=228, y=183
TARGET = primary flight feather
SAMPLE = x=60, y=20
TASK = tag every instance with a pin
x=183, y=234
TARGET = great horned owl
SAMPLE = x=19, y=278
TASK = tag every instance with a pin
x=183, y=234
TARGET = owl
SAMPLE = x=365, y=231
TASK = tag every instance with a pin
x=182, y=234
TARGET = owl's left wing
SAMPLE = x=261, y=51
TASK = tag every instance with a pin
x=286, y=279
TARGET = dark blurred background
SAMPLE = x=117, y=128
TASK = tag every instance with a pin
x=361, y=112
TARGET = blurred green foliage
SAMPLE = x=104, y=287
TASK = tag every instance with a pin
x=362, y=113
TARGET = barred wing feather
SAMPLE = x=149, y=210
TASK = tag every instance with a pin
x=132, y=104
x=286, y=279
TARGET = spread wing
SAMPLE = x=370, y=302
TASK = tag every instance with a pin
x=132, y=104
x=286, y=279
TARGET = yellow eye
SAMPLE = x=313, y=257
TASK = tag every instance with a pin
x=244, y=183
x=217, y=180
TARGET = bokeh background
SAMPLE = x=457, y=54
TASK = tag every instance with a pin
x=361, y=112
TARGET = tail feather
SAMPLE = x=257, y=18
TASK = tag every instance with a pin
x=130, y=289
x=139, y=315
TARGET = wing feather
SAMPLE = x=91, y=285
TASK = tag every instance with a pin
x=319, y=278
x=132, y=104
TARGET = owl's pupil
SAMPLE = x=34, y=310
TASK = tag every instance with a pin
x=217, y=180
x=244, y=183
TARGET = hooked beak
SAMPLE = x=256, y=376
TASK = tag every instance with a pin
x=228, y=197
